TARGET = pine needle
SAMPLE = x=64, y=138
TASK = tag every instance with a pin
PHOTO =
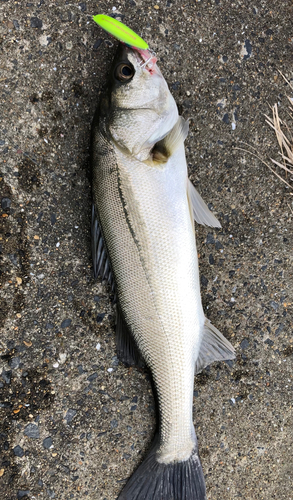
x=284, y=137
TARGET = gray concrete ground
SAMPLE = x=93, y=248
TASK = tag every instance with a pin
x=74, y=421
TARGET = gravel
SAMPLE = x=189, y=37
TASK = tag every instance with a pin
x=18, y=451
x=48, y=442
x=32, y=431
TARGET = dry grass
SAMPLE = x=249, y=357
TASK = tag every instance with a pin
x=285, y=139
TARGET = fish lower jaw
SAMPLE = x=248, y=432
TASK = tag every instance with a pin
x=170, y=454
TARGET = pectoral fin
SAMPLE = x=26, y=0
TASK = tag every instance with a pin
x=214, y=347
x=201, y=212
x=164, y=148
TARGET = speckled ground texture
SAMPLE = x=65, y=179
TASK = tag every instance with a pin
x=74, y=421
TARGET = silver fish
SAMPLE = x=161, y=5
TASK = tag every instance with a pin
x=144, y=243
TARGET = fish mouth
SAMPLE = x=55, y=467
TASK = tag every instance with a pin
x=146, y=58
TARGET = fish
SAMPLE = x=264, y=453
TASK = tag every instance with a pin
x=143, y=245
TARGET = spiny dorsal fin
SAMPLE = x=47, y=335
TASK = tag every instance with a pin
x=200, y=211
x=101, y=262
x=163, y=149
x=214, y=347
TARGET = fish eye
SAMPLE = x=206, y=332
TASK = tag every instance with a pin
x=124, y=72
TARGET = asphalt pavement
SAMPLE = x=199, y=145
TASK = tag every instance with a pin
x=74, y=421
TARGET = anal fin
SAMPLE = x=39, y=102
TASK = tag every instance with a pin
x=200, y=211
x=127, y=350
x=214, y=347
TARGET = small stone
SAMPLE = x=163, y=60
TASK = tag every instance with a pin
x=50, y=493
x=274, y=305
x=62, y=358
x=246, y=49
x=98, y=346
x=210, y=239
x=36, y=22
x=100, y=317
x=97, y=44
x=18, y=280
x=244, y=344
x=114, y=424
x=32, y=431
x=226, y=119
x=175, y=85
x=6, y=375
x=22, y=493
x=65, y=323
x=5, y=203
x=1, y=472
x=18, y=451
x=218, y=245
x=279, y=329
x=14, y=363
x=156, y=7
x=70, y=415
x=47, y=443
x=92, y=377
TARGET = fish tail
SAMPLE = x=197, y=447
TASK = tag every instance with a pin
x=174, y=481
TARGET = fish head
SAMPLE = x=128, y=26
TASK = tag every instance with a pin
x=141, y=110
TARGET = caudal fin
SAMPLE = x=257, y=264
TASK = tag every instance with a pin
x=175, y=481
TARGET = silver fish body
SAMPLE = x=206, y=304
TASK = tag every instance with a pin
x=145, y=206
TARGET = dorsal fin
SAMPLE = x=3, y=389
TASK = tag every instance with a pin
x=214, y=347
x=200, y=211
x=164, y=148
x=100, y=258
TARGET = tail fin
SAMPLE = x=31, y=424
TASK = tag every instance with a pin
x=157, y=481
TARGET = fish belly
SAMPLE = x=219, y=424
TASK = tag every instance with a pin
x=148, y=230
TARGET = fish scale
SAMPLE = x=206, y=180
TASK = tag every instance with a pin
x=143, y=251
